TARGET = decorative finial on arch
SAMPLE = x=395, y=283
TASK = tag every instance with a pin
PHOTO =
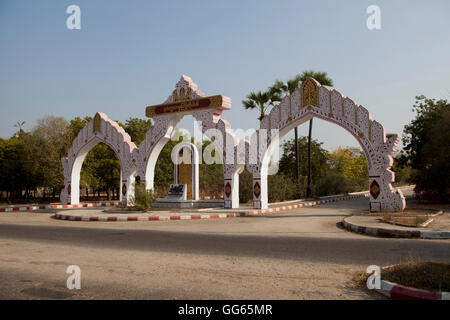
x=97, y=123
x=310, y=94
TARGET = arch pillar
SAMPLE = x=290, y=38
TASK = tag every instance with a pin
x=231, y=187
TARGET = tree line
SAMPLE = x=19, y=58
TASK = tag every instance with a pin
x=31, y=169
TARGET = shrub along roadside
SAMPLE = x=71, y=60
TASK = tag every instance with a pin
x=143, y=198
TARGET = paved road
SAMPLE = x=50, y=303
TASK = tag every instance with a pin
x=298, y=254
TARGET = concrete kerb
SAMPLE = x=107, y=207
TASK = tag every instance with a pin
x=395, y=233
x=399, y=292
x=59, y=206
x=215, y=215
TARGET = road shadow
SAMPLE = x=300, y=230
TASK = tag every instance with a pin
x=355, y=250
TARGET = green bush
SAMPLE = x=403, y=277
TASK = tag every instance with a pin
x=332, y=183
x=143, y=198
x=281, y=188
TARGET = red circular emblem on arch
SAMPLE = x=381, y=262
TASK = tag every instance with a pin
x=374, y=189
x=124, y=189
x=256, y=189
x=228, y=189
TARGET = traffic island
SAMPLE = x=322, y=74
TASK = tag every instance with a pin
x=195, y=214
x=376, y=226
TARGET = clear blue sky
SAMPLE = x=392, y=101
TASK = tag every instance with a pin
x=129, y=54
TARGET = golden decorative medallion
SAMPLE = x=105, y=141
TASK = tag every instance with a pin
x=310, y=95
x=182, y=96
x=185, y=177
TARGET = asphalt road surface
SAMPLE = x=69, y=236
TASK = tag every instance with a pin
x=297, y=254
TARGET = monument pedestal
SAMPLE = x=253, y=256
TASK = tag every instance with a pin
x=176, y=199
x=187, y=204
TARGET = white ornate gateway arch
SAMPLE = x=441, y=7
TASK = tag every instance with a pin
x=99, y=129
x=311, y=100
x=315, y=100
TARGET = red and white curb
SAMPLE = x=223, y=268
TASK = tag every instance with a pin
x=144, y=217
x=306, y=204
x=393, y=233
x=60, y=206
x=149, y=218
x=399, y=292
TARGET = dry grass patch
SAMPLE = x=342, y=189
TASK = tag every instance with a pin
x=410, y=221
x=431, y=276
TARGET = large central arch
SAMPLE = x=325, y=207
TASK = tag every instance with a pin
x=315, y=100
x=212, y=126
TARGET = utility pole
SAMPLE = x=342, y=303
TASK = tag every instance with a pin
x=297, y=174
x=308, y=188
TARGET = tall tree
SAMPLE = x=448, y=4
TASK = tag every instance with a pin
x=261, y=101
x=426, y=148
x=51, y=133
x=319, y=154
x=323, y=78
x=137, y=129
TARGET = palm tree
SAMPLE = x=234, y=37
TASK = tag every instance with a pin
x=19, y=125
x=323, y=78
x=262, y=101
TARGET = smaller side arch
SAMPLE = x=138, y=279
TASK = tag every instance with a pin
x=100, y=129
x=195, y=166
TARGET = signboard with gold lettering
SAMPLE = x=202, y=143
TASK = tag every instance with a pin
x=213, y=102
